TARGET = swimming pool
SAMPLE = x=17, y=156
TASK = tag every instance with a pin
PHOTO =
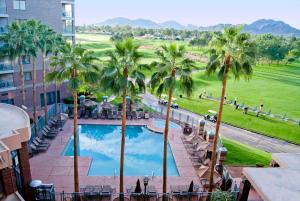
x=143, y=150
x=160, y=123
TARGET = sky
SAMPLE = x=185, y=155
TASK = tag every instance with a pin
x=197, y=12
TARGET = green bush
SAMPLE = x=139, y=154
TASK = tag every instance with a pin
x=219, y=195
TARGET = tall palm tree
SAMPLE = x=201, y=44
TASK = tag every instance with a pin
x=75, y=64
x=232, y=51
x=45, y=45
x=15, y=48
x=173, y=69
x=58, y=42
x=123, y=77
x=32, y=39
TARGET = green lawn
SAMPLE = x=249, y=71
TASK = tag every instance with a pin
x=240, y=154
x=276, y=86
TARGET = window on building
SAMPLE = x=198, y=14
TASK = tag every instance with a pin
x=26, y=59
x=68, y=26
x=67, y=10
x=19, y=4
x=50, y=98
x=8, y=101
x=27, y=76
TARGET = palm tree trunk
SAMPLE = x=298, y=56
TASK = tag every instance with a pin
x=122, y=146
x=22, y=81
x=216, y=137
x=44, y=89
x=55, y=89
x=34, y=97
x=76, y=178
x=166, y=144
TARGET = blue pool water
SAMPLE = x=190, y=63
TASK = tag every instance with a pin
x=143, y=150
x=160, y=123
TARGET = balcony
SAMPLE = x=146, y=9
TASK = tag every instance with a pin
x=7, y=85
x=67, y=14
x=6, y=68
x=3, y=29
x=3, y=12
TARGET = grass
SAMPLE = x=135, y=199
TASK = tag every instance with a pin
x=240, y=154
x=275, y=86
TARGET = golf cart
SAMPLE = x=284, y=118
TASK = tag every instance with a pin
x=211, y=116
x=163, y=100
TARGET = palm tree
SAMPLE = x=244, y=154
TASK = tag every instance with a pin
x=15, y=48
x=233, y=52
x=33, y=39
x=173, y=69
x=123, y=77
x=45, y=45
x=58, y=42
x=75, y=64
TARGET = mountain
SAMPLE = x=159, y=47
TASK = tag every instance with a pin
x=271, y=26
x=257, y=27
x=120, y=21
x=172, y=25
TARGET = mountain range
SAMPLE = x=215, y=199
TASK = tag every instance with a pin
x=258, y=27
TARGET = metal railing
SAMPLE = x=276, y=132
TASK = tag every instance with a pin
x=93, y=196
x=52, y=111
x=5, y=67
x=3, y=10
x=6, y=84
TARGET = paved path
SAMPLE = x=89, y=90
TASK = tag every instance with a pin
x=246, y=137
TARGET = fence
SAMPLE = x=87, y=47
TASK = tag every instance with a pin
x=52, y=111
x=91, y=196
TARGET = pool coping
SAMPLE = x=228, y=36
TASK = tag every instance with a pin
x=60, y=170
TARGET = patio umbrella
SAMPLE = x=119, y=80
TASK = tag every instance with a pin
x=138, y=188
x=106, y=106
x=90, y=103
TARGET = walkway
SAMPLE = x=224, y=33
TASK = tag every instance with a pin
x=246, y=137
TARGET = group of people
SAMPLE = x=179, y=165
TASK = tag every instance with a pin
x=236, y=105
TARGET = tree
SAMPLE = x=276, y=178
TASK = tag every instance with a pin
x=233, y=52
x=58, y=43
x=45, y=43
x=123, y=77
x=33, y=39
x=172, y=64
x=76, y=65
x=15, y=48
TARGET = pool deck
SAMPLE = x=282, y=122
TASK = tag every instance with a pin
x=53, y=167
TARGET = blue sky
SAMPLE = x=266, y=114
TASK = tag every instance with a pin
x=197, y=12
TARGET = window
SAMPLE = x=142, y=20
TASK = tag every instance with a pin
x=26, y=59
x=68, y=26
x=27, y=76
x=50, y=98
x=20, y=4
x=8, y=101
x=67, y=10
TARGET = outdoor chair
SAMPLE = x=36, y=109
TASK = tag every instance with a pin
x=48, y=135
x=40, y=145
x=36, y=149
x=39, y=140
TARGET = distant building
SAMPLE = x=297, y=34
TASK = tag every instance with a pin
x=59, y=15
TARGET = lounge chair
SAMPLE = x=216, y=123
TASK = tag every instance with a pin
x=49, y=131
x=48, y=135
x=39, y=140
x=36, y=149
x=37, y=144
